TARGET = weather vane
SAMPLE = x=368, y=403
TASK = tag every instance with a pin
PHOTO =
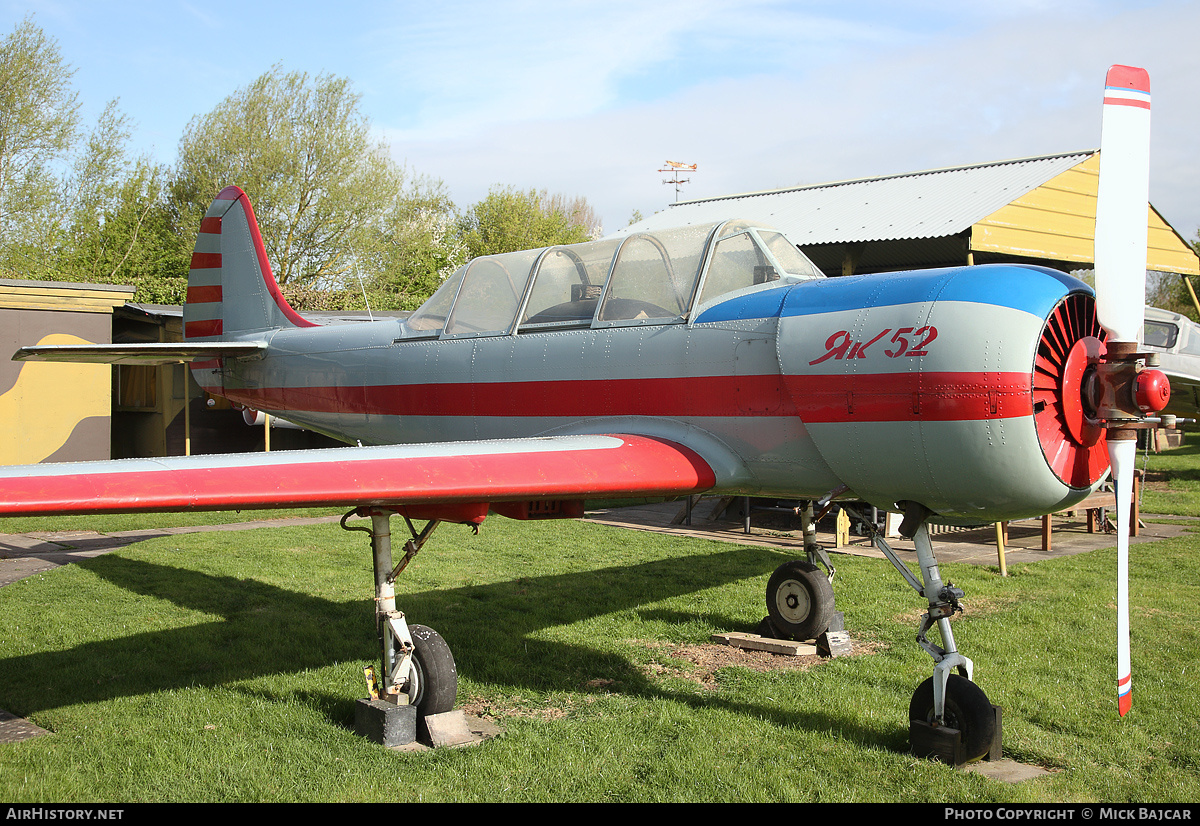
x=676, y=167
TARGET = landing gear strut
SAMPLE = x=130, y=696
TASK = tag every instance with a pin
x=950, y=717
x=417, y=667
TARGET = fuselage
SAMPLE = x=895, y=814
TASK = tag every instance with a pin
x=903, y=387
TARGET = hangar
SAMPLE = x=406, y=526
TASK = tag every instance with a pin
x=1038, y=210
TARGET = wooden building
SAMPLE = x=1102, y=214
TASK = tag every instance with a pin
x=55, y=412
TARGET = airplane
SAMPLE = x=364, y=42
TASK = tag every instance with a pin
x=1176, y=340
x=702, y=359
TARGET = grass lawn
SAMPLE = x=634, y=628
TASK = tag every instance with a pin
x=225, y=667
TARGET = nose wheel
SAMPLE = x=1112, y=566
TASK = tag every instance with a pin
x=967, y=711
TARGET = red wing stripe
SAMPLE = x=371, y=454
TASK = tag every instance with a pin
x=879, y=397
x=631, y=466
x=210, y=224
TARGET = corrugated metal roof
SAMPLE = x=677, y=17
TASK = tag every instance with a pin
x=930, y=204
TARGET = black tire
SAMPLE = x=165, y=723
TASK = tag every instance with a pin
x=766, y=629
x=437, y=679
x=799, y=601
x=967, y=709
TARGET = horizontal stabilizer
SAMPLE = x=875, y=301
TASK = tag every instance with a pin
x=141, y=353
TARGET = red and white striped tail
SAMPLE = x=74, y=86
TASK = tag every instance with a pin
x=231, y=288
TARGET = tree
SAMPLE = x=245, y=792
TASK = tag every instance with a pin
x=413, y=248
x=75, y=208
x=300, y=149
x=508, y=220
x=39, y=122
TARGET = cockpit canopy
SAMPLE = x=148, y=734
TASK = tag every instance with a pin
x=641, y=278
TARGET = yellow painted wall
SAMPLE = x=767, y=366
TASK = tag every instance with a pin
x=52, y=411
x=47, y=401
x=1057, y=221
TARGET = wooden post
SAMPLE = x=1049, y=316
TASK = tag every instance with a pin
x=187, y=409
x=843, y=529
x=1000, y=527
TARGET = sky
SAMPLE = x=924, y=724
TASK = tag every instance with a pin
x=591, y=98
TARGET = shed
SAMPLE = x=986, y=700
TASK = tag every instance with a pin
x=52, y=411
x=1039, y=210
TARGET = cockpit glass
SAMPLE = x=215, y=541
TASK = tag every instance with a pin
x=1160, y=334
x=654, y=274
x=431, y=316
x=639, y=277
x=568, y=283
x=786, y=255
x=736, y=262
x=491, y=291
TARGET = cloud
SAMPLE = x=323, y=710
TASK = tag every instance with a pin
x=896, y=100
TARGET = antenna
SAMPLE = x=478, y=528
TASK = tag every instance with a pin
x=675, y=167
x=363, y=287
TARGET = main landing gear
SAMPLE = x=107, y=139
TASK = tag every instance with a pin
x=800, y=604
x=417, y=681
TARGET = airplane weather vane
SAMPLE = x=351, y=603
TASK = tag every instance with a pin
x=675, y=167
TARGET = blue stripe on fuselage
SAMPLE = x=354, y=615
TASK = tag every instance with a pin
x=1035, y=290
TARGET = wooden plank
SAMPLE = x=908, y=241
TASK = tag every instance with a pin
x=754, y=642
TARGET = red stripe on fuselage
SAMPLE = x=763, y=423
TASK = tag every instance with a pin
x=834, y=398
x=906, y=397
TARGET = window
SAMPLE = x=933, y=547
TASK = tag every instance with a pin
x=490, y=293
x=654, y=275
x=747, y=256
x=737, y=262
x=431, y=316
x=567, y=284
x=1160, y=334
x=480, y=298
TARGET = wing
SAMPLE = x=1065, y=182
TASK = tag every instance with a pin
x=140, y=353
x=437, y=480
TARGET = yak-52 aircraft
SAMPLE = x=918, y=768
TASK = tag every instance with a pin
x=704, y=359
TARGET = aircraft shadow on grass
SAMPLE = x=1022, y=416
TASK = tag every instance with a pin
x=494, y=630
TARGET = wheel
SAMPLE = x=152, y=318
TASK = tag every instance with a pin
x=433, y=671
x=967, y=709
x=766, y=629
x=799, y=600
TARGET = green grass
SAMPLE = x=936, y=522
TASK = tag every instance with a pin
x=117, y=522
x=225, y=667
x=1173, y=485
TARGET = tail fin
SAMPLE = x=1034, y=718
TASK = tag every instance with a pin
x=230, y=285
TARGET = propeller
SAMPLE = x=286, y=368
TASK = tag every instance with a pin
x=1120, y=255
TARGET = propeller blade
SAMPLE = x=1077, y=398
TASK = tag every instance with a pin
x=1123, y=455
x=1122, y=198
